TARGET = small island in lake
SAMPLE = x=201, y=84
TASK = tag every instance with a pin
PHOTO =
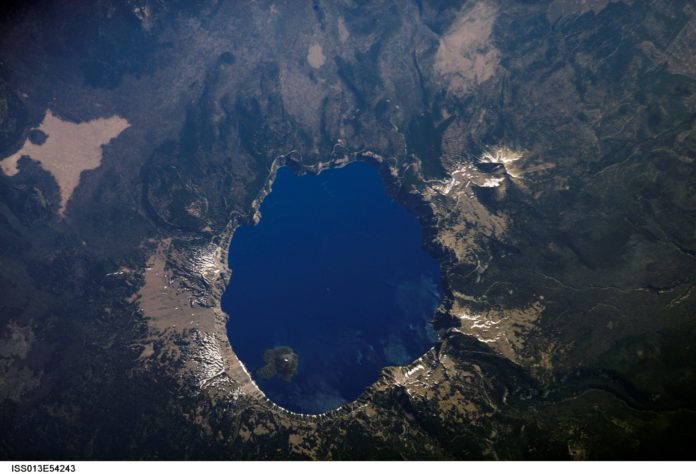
x=279, y=361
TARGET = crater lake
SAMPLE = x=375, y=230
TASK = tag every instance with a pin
x=332, y=285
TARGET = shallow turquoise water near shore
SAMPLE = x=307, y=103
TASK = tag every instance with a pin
x=336, y=271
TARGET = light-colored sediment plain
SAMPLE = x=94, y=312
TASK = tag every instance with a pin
x=70, y=149
x=315, y=56
x=466, y=56
x=170, y=312
x=343, y=33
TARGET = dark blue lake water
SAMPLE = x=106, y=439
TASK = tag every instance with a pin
x=336, y=272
